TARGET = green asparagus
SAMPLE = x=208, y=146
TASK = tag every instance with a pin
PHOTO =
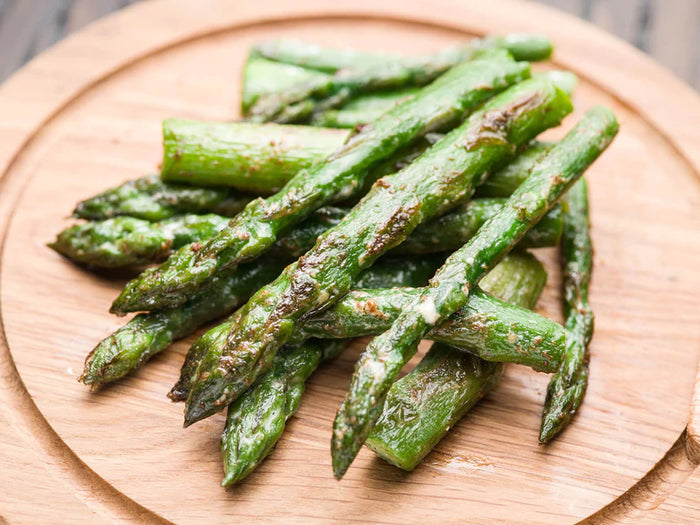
x=257, y=158
x=368, y=107
x=440, y=179
x=453, y=229
x=255, y=229
x=148, y=334
x=255, y=422
x=383, y=359
x=162, y=200
x=568, y=385
x=506, y=180
x=151, y=199
x=489, y=328
x=421, y=407
x=530, y=47
x=494, y=330
x=457, y=380
x=302, y=101
x=386, y=273
x=262, y=76
x=125, y=241
x=257, y=418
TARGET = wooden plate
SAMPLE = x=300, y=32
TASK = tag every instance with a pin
x=86, y=115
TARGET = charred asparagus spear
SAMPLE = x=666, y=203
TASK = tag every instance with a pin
x=485, y=326
x=148, y=334
x=125, y=241
x=438, y=180
x=383, y=359
x=149, y=198
x=384, y=275
x=255, y=229
x=448, y=382
x=530, y=47
x=256, y=419
x=568, y=385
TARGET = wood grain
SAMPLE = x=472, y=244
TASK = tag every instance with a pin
x=86, y=115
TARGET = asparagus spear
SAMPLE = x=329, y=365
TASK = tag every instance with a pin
x=489, y=328
x=421, y=407
x=440, y=179
x=568, y=385
x=151, y=199
x=255, y=229
x=148, y=334
x=125, y=241
x=530, y=47
x=366, y=108
x=256, y=421
x=383, y=359
x=262, y=76
x=257, y=417
x=258, y=158
x=302, y=100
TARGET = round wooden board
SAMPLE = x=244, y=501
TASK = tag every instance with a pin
x=86, y=115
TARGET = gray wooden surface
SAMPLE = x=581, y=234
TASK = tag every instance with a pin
x=669, y=30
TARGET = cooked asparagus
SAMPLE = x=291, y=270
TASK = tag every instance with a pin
x=148, y=334
x=262, y=76
x=255, y=229
x=530, y=47
x=125, y=241
x=568, y=384
x=151, y=199
x=422, y=406
x=383, y=359
x=257, y=158
x=256, y=419
x=440, y=179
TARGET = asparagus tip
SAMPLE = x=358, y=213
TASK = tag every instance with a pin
x=228, y=480
x=195, y=411
x=341, y=459
x=561, y=408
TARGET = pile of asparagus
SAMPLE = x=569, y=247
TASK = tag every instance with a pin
x=414, y=223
